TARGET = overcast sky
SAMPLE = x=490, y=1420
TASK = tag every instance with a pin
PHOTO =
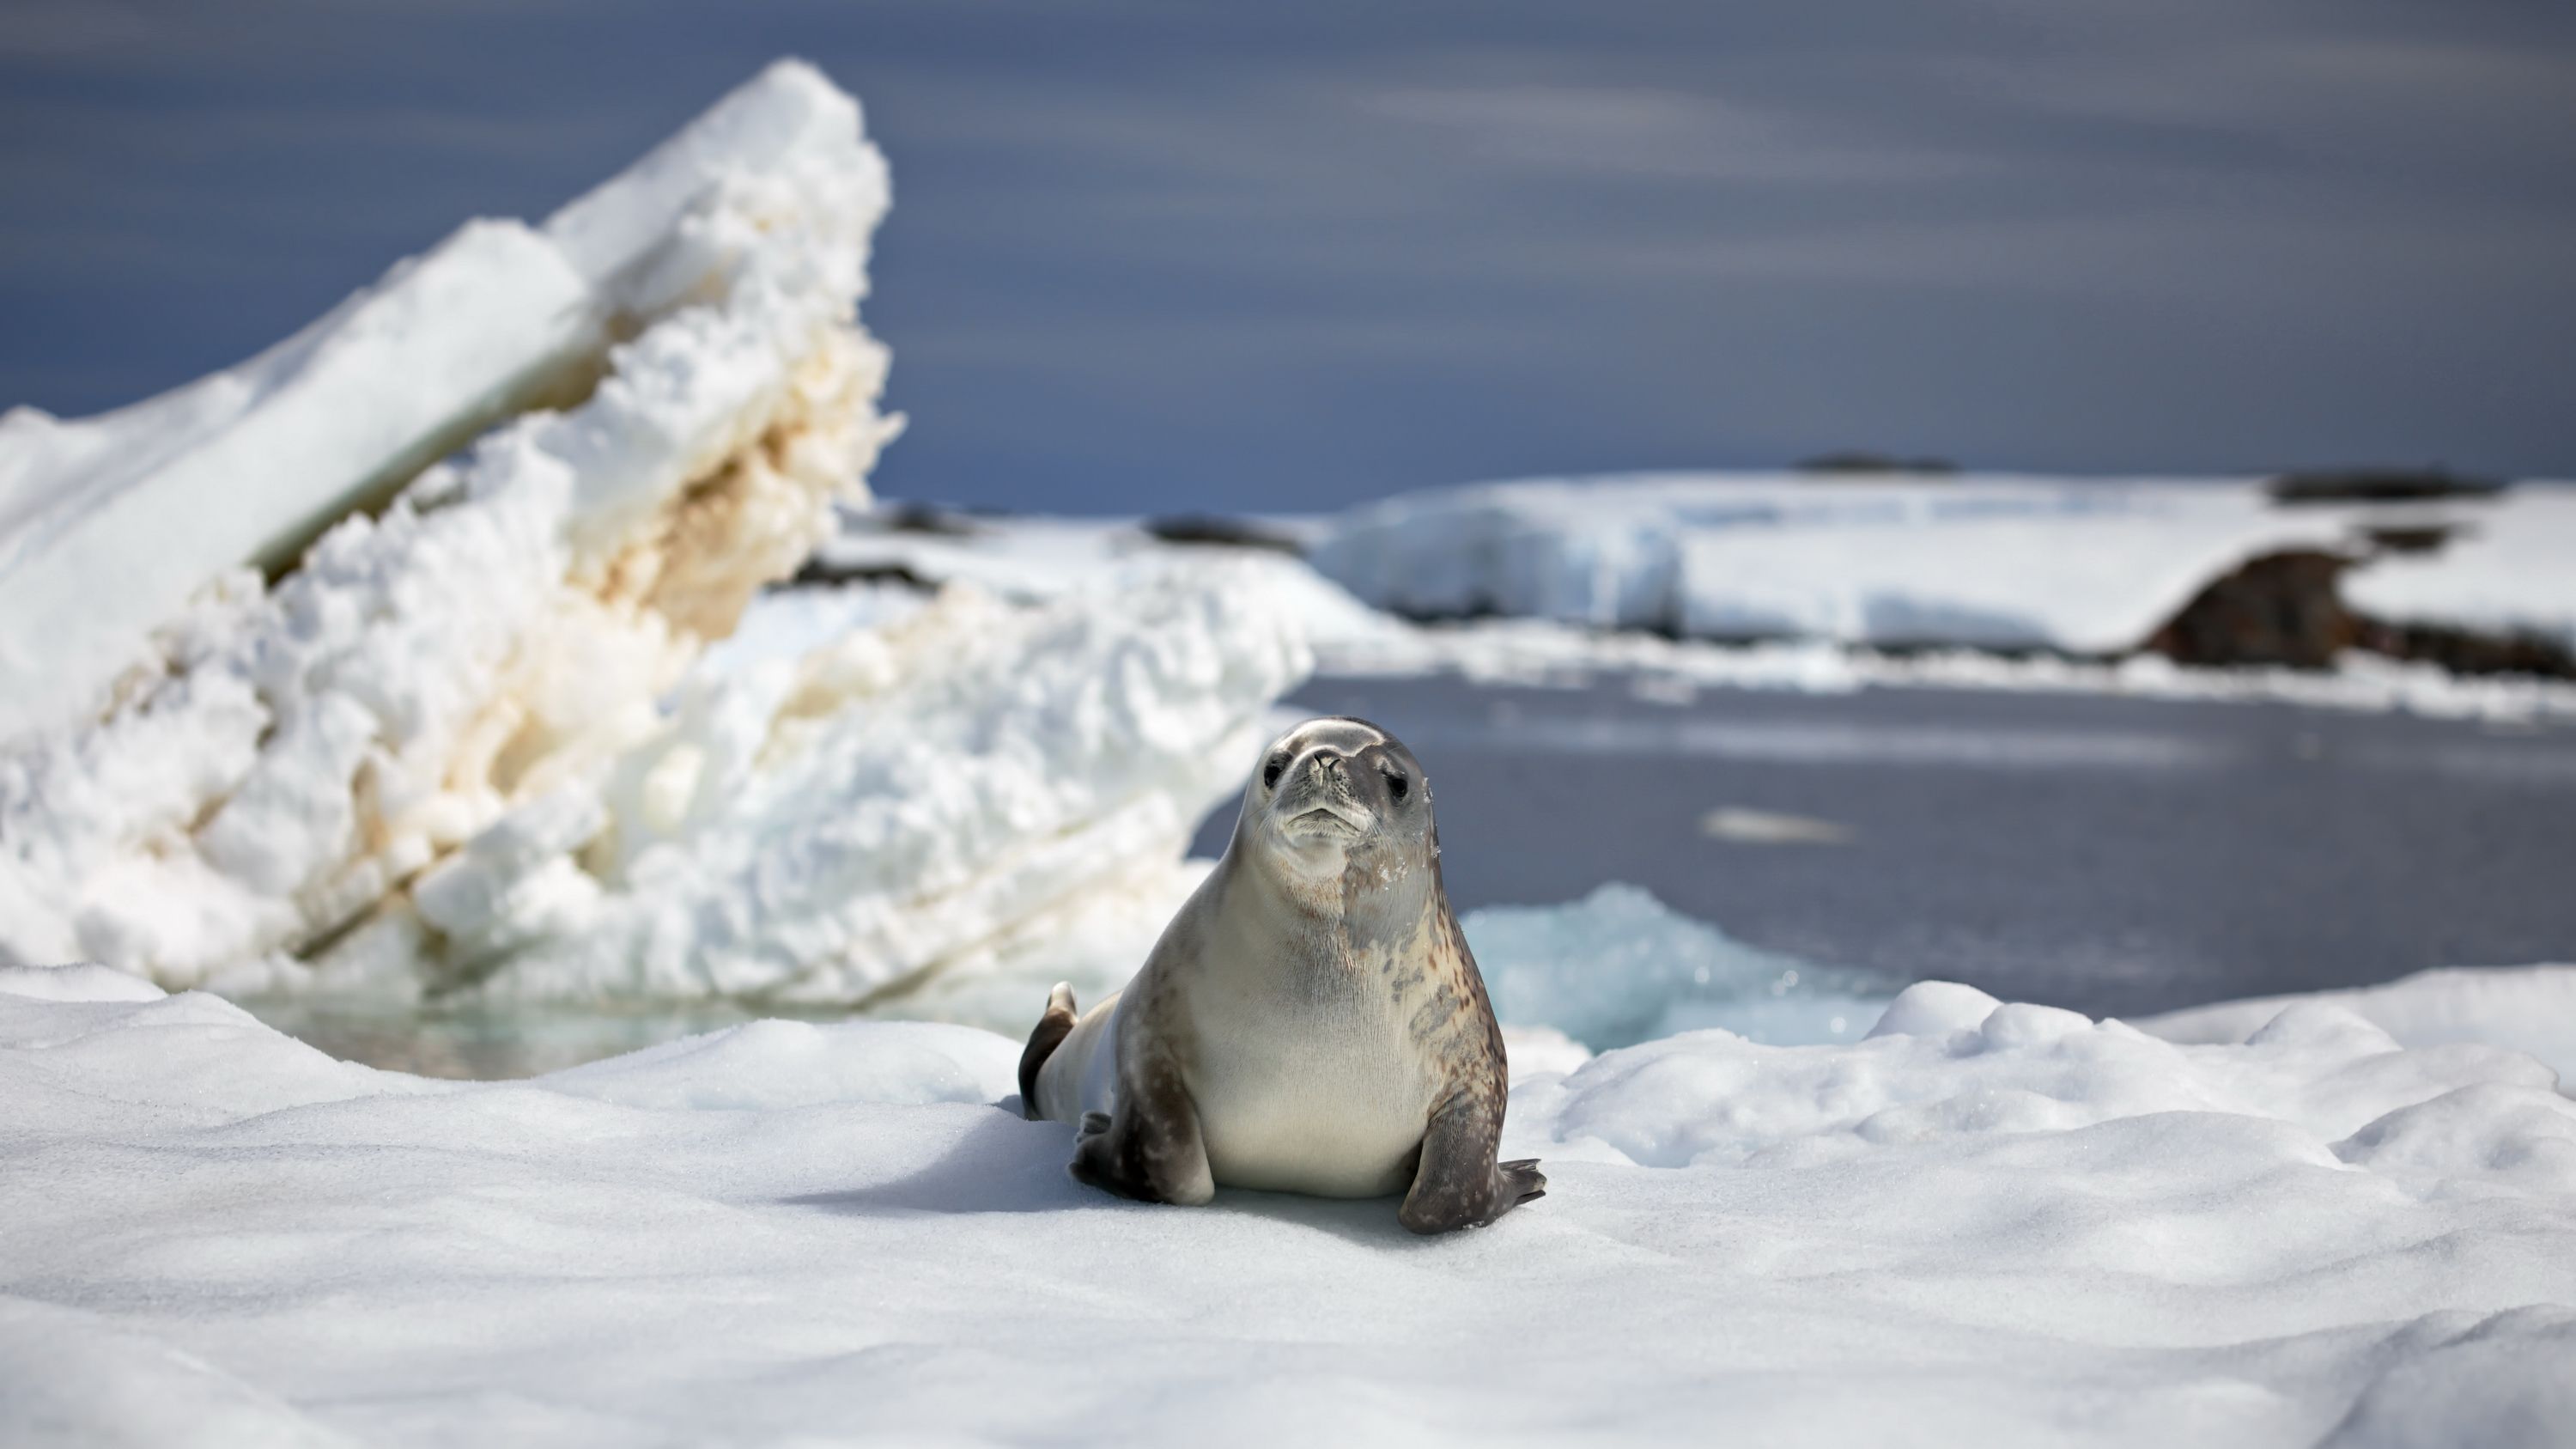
x=1159, y=256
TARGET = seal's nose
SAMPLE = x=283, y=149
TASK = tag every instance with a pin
x=1328, y=773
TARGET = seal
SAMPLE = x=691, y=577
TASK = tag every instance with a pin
x=1310, y=1021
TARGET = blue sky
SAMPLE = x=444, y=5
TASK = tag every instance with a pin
x=1161, y=256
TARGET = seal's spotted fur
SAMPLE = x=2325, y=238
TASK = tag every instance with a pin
x=1311, y=1021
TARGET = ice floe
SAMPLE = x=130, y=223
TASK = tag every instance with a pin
x=1984, y=1223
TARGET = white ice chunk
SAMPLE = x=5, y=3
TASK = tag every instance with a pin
x=256, y=459
x=904, y=799
x=1934, y=1008
x=482, y=651
x=2528, y=1008
x=1618, y=967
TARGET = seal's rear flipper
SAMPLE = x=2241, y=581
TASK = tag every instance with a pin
x=1049, y=1034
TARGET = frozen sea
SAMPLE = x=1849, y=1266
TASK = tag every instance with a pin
x=2112, y=855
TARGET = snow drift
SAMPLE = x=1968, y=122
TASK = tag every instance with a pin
x=2529, y=1008
x=1985, y=1223
x=458, y=744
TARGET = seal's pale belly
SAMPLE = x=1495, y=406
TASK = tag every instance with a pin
x=1316, y=1109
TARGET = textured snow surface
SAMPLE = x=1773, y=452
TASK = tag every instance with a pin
x=895, y=800
x=1984, y=1224
x=2529, y=1008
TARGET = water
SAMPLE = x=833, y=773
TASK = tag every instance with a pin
x=2116, y=856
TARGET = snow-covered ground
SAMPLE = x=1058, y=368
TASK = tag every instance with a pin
x=433, y=654
x=1983, y=1224
x=2085, y=567
x=2513, y=571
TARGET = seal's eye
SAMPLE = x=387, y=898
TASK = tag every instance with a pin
x=1397, y=784
x=1270, y=772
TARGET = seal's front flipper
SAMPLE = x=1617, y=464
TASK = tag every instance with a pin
x=1149, y=1148
x=1459, y=1185
x=1050, y=1032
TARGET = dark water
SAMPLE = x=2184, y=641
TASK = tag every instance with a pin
x=2117, y=856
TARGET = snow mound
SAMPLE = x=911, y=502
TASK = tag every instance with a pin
x=82, y=981
x=2529, y=1008
x=2004, y=1224
x=1951, y=1062
x=1618, y=967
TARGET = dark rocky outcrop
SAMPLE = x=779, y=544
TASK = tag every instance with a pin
x=2285, y=609
x=2465, y=651
x=918, y=518
x=820, y=573
x=1219, y=531
x=2281, y=608
x=2376, y=485
x=1860, y=462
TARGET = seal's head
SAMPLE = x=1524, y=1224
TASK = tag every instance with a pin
x=1338, y=808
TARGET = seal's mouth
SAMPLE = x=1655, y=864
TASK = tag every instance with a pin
x=1328, y=818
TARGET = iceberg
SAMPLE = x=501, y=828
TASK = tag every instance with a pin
x=691, y=312
x=464, y=742
x=1984, y=1222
